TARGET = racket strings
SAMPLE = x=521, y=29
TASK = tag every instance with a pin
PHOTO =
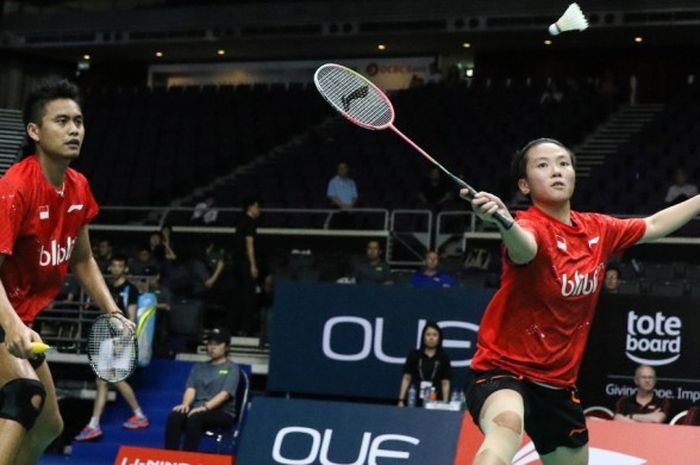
x=353, y=96
x=111, y=349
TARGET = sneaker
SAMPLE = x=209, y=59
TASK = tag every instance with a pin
x=89, y=433
x=136, y=422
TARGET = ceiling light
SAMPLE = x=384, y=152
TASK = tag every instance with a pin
x=221, y=52
x=466, y=45
x=86, y=57
x=547, y=42
x=159, y=54
x=381, y=47
x=639, y=40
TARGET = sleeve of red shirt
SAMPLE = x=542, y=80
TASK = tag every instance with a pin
x=622, y=233
x=12, y=207
x=92, y=209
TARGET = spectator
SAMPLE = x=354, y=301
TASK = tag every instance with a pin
x=209, y=397
x=143, y=264
x=645, y=406
x=103, y=255
x=342, y=193
x=246, y=268
x=125, y=295
x=427, y=367
x=372, y=269
x=205, y=212
x=430, y=276
x=693, y=417
x=434, y=192
x=159, y=245
x=681, y=189
x=611, y=284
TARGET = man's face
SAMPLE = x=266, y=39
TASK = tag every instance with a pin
x=432, y=261
x=216, y=349
x=343, y=170
x=611, y=280
x=104, y=249
x=645, y=379
x=373, y=250
x=117, y=268
x=254, y=210
x=61, y=131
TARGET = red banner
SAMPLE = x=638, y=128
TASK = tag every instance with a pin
x=129, y=455
x=611, y=443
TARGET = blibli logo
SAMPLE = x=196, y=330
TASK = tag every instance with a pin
x=579, y=284
x=56, y=253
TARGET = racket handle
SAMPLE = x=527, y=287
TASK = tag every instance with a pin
x=39, y=347
x=502, y=220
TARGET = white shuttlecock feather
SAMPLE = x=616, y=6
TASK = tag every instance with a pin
x=572, y=19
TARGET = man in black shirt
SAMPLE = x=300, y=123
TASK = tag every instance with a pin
x=245, y=268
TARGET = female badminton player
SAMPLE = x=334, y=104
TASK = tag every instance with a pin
x=44, y=209
x=534, y=330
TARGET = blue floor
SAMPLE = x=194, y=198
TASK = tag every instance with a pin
x=54, y=459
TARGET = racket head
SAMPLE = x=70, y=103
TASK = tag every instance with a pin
x=354, y=96
x=112, y=349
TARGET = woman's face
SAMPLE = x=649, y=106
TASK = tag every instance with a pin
x=431, y=338
x=550, y=177
x=155, y=240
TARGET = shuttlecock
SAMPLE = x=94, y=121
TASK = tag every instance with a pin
x=572, y=19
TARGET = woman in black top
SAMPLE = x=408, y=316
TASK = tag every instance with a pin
x=428, y=365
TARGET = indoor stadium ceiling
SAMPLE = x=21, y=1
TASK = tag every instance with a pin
x=298, y=30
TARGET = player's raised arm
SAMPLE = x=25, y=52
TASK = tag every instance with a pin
x=664, y=222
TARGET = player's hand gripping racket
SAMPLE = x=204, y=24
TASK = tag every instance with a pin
x=112, y=349
x=364, y=104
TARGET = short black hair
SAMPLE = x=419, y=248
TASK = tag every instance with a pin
x=119, y=257
x=48, y=89
x=249, y=202
x=518, y=165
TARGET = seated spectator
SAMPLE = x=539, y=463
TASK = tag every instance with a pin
x=372, y=269
x=209, y=397
x=430, y=276
x=434, y=192
x=645, y=406
x=611, y=284
x=681, y=189
x=103, y=255
x=427, y=368
x=205, y=212
x=342, y=194
x=143, y=264
x=693, y=417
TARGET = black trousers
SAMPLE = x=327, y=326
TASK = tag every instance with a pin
x=245, y=306
x=192, y=427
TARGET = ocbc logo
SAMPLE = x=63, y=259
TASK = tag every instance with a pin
x=373, y=335
x=371, y=449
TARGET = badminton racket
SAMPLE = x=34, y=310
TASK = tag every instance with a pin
x=112, y=349
x=364, y=104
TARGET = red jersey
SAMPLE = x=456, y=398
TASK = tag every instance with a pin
x=38, y=230
x=537, y=323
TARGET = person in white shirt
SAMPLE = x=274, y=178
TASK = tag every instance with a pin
x=681, y=189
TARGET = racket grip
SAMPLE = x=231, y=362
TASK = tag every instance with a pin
x=39, y=347
x=506, y=223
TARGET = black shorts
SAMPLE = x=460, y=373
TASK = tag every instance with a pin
x=553, y=417
x=34, y=362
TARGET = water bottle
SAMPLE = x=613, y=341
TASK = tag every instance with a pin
x=411, y=401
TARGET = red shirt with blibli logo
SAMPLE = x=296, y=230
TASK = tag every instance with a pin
x=38, y=229
x=538, y=322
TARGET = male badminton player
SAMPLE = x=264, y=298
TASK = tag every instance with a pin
x=45, y=207
x=534, y=330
